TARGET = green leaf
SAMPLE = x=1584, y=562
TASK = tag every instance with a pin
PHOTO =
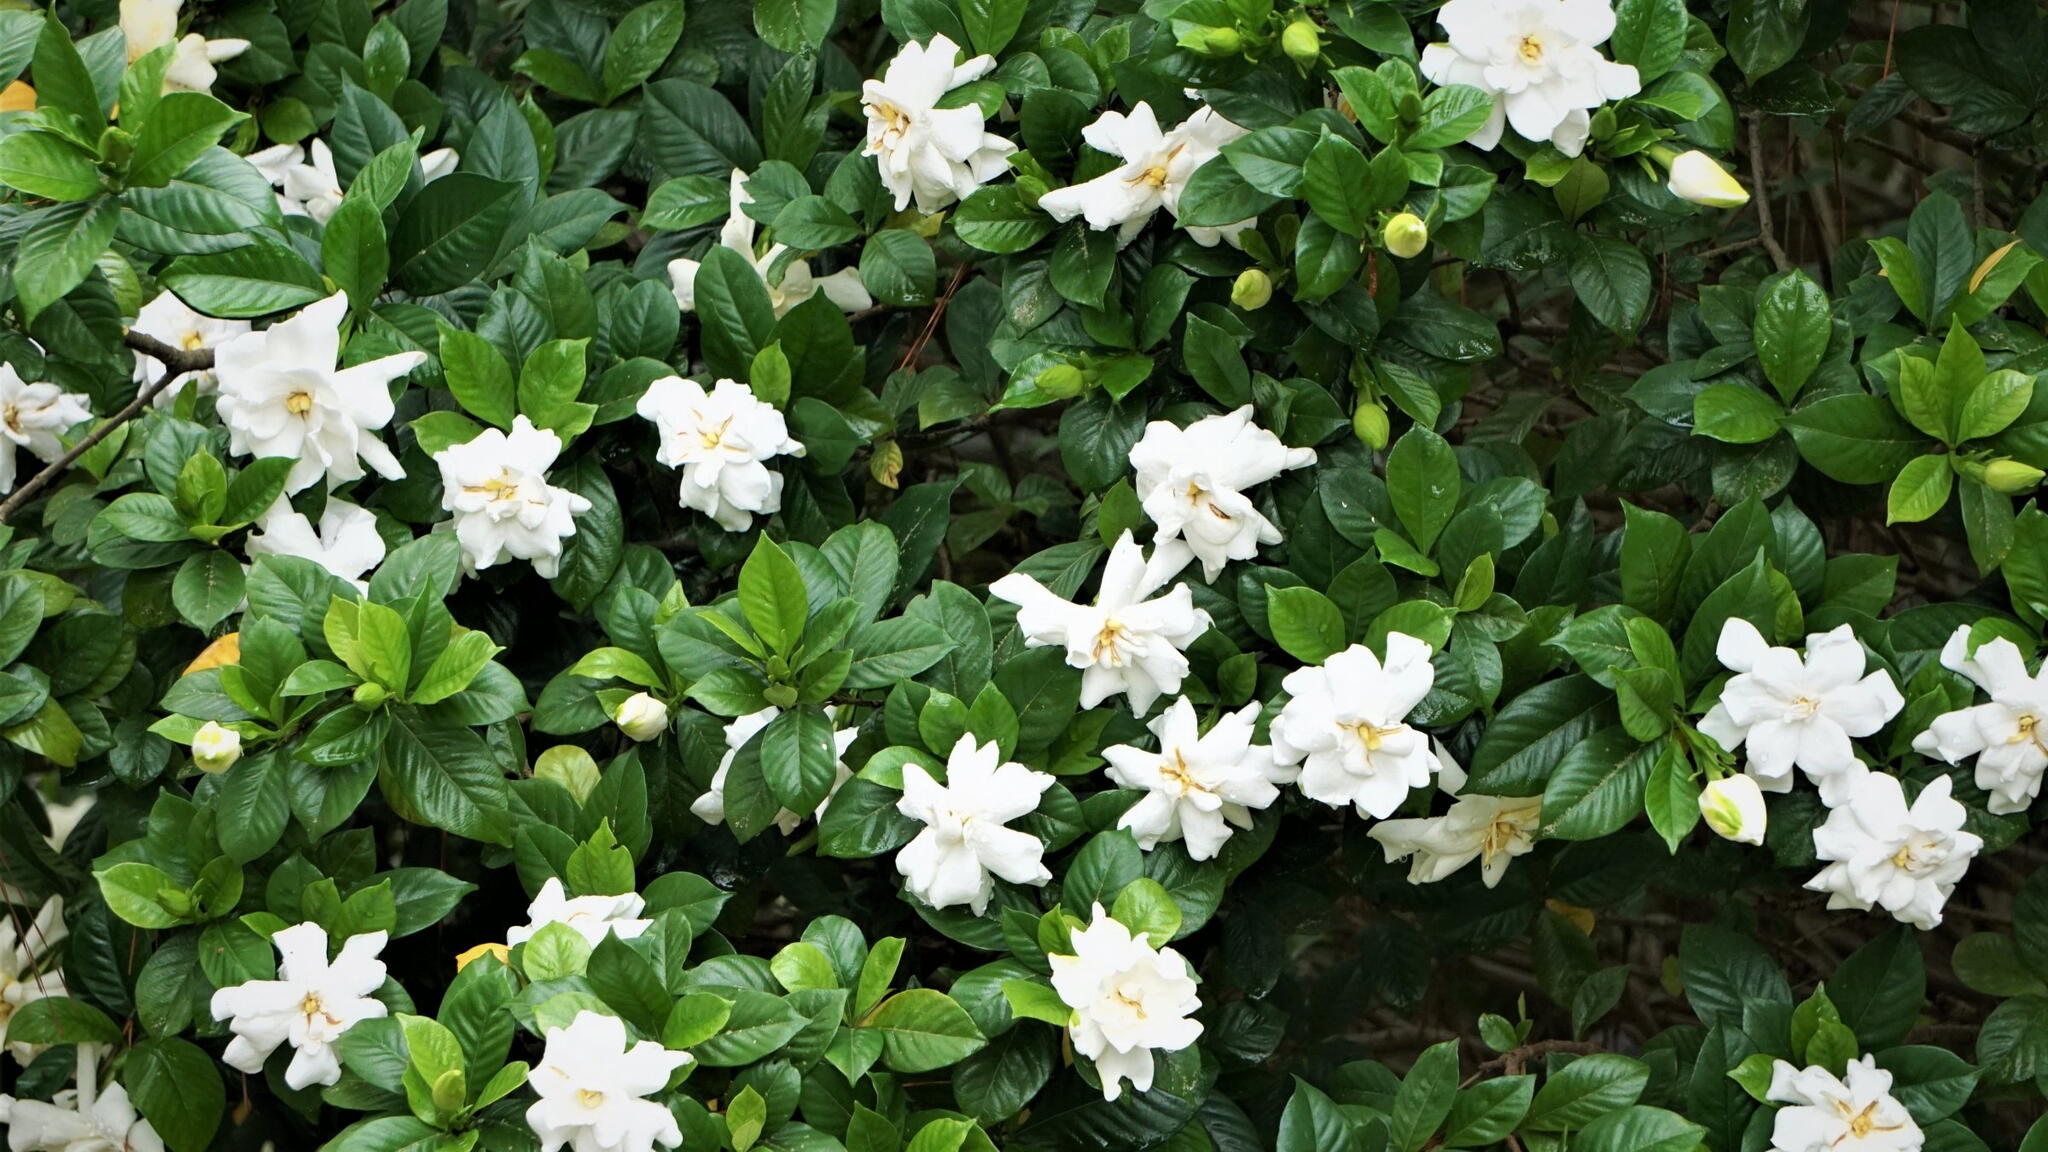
x=1305, y=622
x=1793, y=326
x=180, y=127
x=454, y=229
x=352, y=248
x=799, y=757
x=445, y=777
x=1611, y=279
x=208, y=589
x=1649, y=34
x=1672, y=796
x=794, y=25
x=48, y=165
x=996, y=219
x=1424, y=484
x=177, y=1088
x=1919, y=491
x=478, y=375
x=1425, y=1097
x=642, y=41
x=1736, y=414
x=1597, y=788
x=1855, y=438
x=256, y=280
x=734, y=309
x=1639, y=1129
x=772, y=596
x=60, y=248
x=1486, y=1112
x=923, y=1030
x=1312, y=1122
x=1585, y=1090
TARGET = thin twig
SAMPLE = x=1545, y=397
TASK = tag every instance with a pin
x=1763, y=199
x=1514, y=1060
x=176, y=361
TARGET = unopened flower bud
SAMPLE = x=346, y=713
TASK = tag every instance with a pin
x=1252, y=290
x=1697, y=177
x=1061, y=380
x=2011, y=477
x=642, y=717
x=370, y=695
x=1369, y=423
x=1219, y=42
x=215, y=748
x=1406, y=235
x=1733, y=807
x=1302, y=41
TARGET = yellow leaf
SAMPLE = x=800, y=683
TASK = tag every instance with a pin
x=226, y=650
x=18, y=97
x=465, y=959
x=1990, y=262
x=1581, y=918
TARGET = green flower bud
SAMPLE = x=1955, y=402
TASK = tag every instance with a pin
x=1252, y=290
x=2011, y=477
x=1369, y=423
x=1406, y=235
x=1733, y=807
x=370, y=695
x=215, y=748
x=1213, y=41
x=1061, y=380
x=780, y=695
x=1302, y=41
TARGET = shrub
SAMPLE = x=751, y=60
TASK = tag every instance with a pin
x=1030, y=574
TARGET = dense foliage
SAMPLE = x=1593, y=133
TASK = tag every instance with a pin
x=1037, y=574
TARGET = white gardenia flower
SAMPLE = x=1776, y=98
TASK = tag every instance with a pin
x=86, y=1118
x=1541, y=61
x=1490, y=829
x=2008, y=735
x=722, y=440
x=346, y=542
x=1856, y=1113
x=1733, y=807
x=215, y=748
x=28, y=965
x=1886, y=855
x=151, y=24
x=1192, y=481
x=505, y=509
x=31, y=417
x=926, y=153
x=1128, y=999
x=593, y=1087
x=1790, y=712
x=1129, y=640
x=1699, y=178
x=310, y=1004
x=305, y=179
x=1155, y=171
x=593, y=917
x=787, y=289
x=1346, y=725
x=281, y=395
x=1198, y=784
x=642, y=717
x=964, y=838
x=710, y=807
x=172, y=321
x=438, y=163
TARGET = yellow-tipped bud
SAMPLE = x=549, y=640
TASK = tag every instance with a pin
x=1406, y=235
x=1733, y=807
x=2011, y=477
x=1698, y=177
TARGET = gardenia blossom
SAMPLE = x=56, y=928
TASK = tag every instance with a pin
x=28, y=966
x=170, y=320
x=1856, y=1113
x=593, y=1087
x=964, y=838
x=926, y=153
x=722, y=440
x=86, y=1118
x=310, y=1004
x=1192, y=481
x=1129, y=640
x=796, y=284
x=1346, y=725
x=1540, y=60
x=2008, y=735
x=710, y=807
x=1788, y=712
x=1887, y=855
x=505, y=509
x=593, y=917
x=281, y=395
x=1155, y=171
x=1128, y=999
x=1490, y=829
x=151, y=24
x=308, y=185
x=31, y=417
x=346, y=543
x=1198, y=784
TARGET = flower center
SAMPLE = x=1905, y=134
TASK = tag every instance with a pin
x=312, y=1009
x=590, y=1098
x=710, y=437
x=299, y=403
x=1135, y=1003
x=1919, y=855
x=1531, y=51
x=2029, y=728
x=1175, y=769
x=192, y=342
x=1499, y=835
x=13, y=418
x=1804, y=708
x=1107, y=641
x=1371, y=735
x=1862, y=1124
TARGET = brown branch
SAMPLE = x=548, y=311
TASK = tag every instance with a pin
x=1763, y=199
x=176, y=361
x=1513, y=1061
